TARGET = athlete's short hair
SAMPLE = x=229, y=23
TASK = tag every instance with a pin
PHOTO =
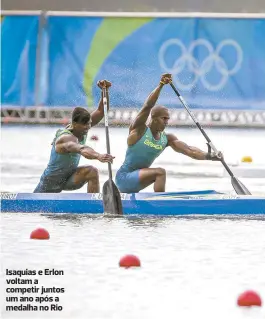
x=80, y=115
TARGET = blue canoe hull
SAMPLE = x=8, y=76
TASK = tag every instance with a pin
x=163, y=204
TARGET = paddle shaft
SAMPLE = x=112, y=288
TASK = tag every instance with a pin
x=111, y=195
x=201, y=129
x=106, y=116
x=238, y=186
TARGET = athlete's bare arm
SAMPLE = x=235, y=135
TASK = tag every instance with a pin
x=138, y=126
x=191, y=151
x=98, y=114
x=69, y=144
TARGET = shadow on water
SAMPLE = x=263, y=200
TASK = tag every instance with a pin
x=131, y=221
x=147, y=221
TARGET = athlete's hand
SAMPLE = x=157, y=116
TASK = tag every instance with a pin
x=166, y=78
x=105, y=158
x=104, y=84
x=215, y=157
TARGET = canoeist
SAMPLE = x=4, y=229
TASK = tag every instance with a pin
x=63, y=172
x=147, y=142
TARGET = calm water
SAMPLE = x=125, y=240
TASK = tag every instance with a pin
x=191, y=268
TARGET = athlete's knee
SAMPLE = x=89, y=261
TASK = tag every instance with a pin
x=92, y=173
x=160, y=171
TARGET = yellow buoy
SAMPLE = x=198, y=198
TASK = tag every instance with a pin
x=246, y=159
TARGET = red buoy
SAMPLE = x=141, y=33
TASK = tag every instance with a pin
x=40, y=233
x=94, y=138
x=249, y=298
x=65, y=120
x=6, y=119
x=129, y=261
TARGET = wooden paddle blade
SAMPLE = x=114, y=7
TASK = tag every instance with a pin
x=112, y=198
x=239, y=187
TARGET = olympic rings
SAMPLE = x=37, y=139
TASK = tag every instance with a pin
x=186, y=61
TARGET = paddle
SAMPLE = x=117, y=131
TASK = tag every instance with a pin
x=238, y=186
x=111, y=195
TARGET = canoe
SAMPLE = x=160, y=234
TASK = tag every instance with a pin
x=204, y=202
